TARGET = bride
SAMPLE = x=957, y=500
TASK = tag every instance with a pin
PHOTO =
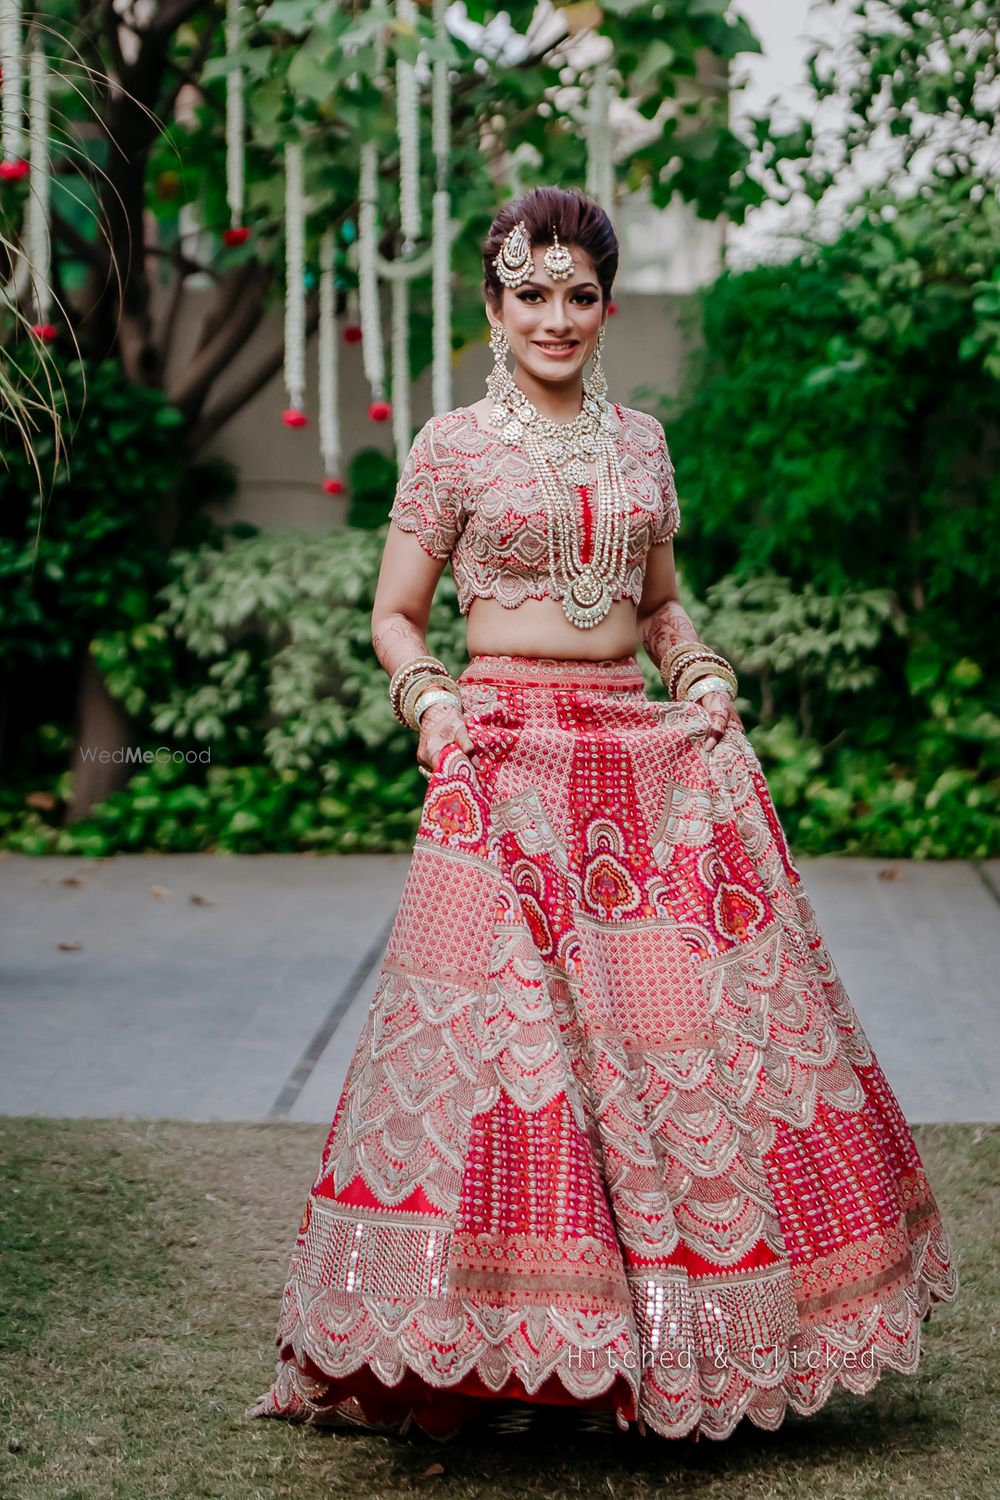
x=613, y=1136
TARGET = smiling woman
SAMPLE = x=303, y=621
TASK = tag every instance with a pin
x=613, y=1137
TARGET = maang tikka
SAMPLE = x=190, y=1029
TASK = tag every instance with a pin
x=515, y=264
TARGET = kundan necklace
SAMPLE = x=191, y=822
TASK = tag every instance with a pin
x=560, y=452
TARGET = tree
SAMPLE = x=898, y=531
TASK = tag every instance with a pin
x=138, y=141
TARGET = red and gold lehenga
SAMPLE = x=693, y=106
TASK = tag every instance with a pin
x=613, y=1135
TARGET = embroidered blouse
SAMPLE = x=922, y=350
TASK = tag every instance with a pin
x=472, y=498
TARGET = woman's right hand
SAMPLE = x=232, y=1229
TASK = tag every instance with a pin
x=440, y=725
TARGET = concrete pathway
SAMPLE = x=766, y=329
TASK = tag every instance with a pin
x=213, y=987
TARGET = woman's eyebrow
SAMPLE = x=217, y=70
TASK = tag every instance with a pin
x=578, y=286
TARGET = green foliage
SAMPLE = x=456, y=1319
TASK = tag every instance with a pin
x=837, y=454
x=83, y=555
x=919, y=84
x=258, y=676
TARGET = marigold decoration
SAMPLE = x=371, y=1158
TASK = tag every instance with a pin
x=295, y=304
x=11, y=89
x=329, y=385
x=235, y=128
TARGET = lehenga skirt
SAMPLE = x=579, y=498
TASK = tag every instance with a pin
x=613, y=1136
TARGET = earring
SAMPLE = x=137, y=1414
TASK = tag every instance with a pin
x=499, y=343
x=499, y=380
x=596, y=383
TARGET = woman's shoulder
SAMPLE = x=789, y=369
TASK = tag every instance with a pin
x=641, y=423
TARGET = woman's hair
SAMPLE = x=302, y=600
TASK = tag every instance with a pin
x=577, y=220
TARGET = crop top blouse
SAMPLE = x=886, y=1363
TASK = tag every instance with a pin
x=470, y=497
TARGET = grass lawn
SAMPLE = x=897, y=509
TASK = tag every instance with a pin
x=141, y=1265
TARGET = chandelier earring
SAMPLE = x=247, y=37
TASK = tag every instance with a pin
x=596, y=383
x=499, y=343
x=499, y=380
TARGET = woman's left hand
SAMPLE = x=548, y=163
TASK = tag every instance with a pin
x=720, y=710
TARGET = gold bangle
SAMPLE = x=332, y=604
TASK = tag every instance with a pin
x=673, y=652
x=699, y=669
x=406, y=668
x=405, y=673
x=421, y=685
x=705, y=655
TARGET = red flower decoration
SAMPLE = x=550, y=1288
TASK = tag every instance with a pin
x=352, y=334
x=13, y=171
x=379, y=411
x=238, y=235
x=333, y=486
x=44, y=331
x=293, y=417
x=612, y=309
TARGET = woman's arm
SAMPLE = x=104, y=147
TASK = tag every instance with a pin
x=407, y=579
x=661, y=621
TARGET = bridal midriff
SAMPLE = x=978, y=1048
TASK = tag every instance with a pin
x=539, y=627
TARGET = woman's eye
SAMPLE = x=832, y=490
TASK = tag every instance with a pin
x=587, y=299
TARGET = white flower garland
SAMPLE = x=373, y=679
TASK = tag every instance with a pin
x=12, y=88
x=235, y=119
x=441, y=396
x=401, y=367
x=408, y=132
x=329, y=382
x=600, y=165
x=295, y=297
x=38, y=243
x=373, y=355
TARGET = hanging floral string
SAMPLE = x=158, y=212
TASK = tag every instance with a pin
x=408, y=132
x=373, y=356
x=329, y=383
x=401, y=367
x=600, y=166
x=295, y=291
x=12, y=87
x=235, y=130
x=441, y=226
x=37, y=238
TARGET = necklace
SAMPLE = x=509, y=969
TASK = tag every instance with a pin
x=559, y=453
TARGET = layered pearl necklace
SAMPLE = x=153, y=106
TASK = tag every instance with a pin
x=560, y=453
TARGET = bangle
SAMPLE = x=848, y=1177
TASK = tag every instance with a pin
x=684, y=660
x=698, y=669
x=710, y=684
x=427, y=699
x=698, y=664
x=674, y=652
x=406, y=668
x=421, y=685
x=405, y=673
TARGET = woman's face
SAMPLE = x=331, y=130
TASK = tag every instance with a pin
x=552, y=326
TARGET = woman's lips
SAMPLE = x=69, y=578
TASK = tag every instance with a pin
x=556, y=353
